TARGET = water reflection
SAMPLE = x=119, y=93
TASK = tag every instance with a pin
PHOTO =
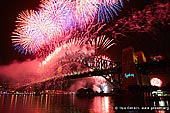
x=102, y=105
x=162, y=105
x=71, y=104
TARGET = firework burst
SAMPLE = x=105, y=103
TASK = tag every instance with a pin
x=35, y=29
x=101, y=43
x=107, y=12
x=90, y=11
x=75, y=50
x=84, y=11
x=23, y=34
x=60, y=11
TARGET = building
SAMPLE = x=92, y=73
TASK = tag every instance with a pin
x=130, y=75
x=128, y=60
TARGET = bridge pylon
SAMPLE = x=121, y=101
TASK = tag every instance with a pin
x=129, y=70
x=114, y=79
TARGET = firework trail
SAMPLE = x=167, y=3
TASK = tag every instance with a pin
x=90, y=47
x=108, y=10
x=84, y=11
x=59, y=25
x=150, y=20
x=79, y=13
x=65, y=32
x=60, y=11
x=75, y=50
x=36, y=29
x=89, y=11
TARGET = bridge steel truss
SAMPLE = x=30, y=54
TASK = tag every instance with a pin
x=97, y=67
x=95, y=62
x=112, y=75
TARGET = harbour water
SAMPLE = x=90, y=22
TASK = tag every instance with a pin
x=70, y=103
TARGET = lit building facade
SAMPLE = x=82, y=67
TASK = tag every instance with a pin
x=131, y=77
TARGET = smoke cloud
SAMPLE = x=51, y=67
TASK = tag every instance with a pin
x=97, y=83
x=29, y=71
x=21, y=72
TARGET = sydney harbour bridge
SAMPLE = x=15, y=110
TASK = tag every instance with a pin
x=79, y=53
x=115, y=74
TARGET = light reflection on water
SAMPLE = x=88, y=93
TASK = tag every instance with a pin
x=71, y=104
x=102, y=105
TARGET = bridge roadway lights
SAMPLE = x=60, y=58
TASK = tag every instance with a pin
x=110, y=73
x=106, y=73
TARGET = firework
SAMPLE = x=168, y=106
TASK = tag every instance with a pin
x=84, y=11
x=108, y=10
x=25, y=35
x=101, y=43
x=75, y=50
x=80, y=13
x=32, y=34
x=61, y=9
x=38, y=28
x=145, y=21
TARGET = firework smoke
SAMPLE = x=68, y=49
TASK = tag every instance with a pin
x=21, y=72
x=64, y=28
x=74, y=50
x=60, y=29
x=97, y=83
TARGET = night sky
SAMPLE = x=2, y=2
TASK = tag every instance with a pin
x=9, y=11
x=11, y=8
